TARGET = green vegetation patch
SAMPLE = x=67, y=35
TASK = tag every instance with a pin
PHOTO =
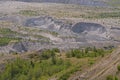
x=5, y=40
x=87, y=52
x=111, y=77
x=6, y=31
x=46, y=64
x=115, y=76
x=28, y=70
x=115, y=3
x=7, y=35
x=118, y=67
x=29, y=13
x=111, y=14
x=103, y=15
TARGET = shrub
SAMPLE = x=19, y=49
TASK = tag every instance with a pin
x=118, y=67
x=111, y=77
x=56, y=50
x=21, y=69
x=87, y=52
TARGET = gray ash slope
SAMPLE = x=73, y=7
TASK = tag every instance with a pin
x=83, y=26
x=47, y=32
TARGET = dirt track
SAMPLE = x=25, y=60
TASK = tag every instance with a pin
x=100, y=70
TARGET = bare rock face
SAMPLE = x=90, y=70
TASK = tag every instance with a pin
x=57, y=34
x=90, y=31
x=19, y=47
x=38, y=21
x=46, y=22
x=83, y=27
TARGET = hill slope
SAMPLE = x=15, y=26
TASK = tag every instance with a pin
x=101, y=3
x=81, y=2
x=102, y=69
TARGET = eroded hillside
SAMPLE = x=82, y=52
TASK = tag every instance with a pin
x=93, y=31
x=40, y=25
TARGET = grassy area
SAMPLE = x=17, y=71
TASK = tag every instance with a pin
x=104, y=14
x=115, y=3
x=7, y=35
x=71, y=11
x=5, y=40
x=87, y=52
x=44, y=65
x=115, y=76
x=29, y=13
x=111, y=14
x=28, y=70
x=111, y=77
x=6, y=31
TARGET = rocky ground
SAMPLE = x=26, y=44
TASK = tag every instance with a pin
x=39, y=29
